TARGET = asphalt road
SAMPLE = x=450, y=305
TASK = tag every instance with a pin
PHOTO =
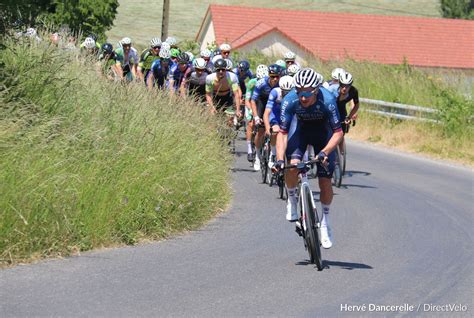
x=402, y=237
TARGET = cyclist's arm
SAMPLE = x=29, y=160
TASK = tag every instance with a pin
x=237, y=94
x=355, y=105
x=253, y=99
x=335, y=124
x=209, y=89
x=287, y=113
x=268, y=109
x=150, y=80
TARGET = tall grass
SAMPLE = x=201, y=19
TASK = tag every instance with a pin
x=88, y=163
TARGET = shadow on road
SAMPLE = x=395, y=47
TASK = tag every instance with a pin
x=345, y=186
x=350, y=173
x=344, y=265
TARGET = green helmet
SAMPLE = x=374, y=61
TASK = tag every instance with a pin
x=174, y=52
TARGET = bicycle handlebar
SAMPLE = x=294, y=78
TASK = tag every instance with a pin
x=302, y=165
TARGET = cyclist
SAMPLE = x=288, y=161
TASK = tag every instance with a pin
x=109, y=67
x=225, y=50
x=290, y=59
x=293, y=69
x=243, y=72
x=258, y=101
x=333, y=84
x=272, y=115
x=206, y=55
x=317, y=124
x=197, y=80
x=261, y=72
x=89, y=47
x=221, y=90
x=178, y=72
x=147, y=58
x=346, y=93
x=127, y=58
x=173, y=43
x=159, y=70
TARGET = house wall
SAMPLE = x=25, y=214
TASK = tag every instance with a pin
x=276, y=44
x=209, y=35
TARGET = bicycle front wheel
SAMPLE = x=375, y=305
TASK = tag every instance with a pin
x=337, y=174
x=311, y=226
x=343, y=155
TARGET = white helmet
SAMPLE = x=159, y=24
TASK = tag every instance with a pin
x=230, y=65
x=171, y=40
x=224, y=47
x=155, y=42
x=290, y=56
x=89, y=43
x=286, y=83
x=215, y=58
x=293, y=69
x=165, y=46
x=199, y=63
x=307, y=77
x=345, y=78
x=165, y=54
x=336, y=72
x=281, y=63
x=191, y=55
x=206, y=53
x=262, y=71
x=126, y=41
x=30, y=32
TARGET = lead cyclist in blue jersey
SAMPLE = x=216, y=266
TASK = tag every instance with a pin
x=309, y=117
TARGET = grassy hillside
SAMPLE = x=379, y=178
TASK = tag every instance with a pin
x=141, y=19
x=86, y=163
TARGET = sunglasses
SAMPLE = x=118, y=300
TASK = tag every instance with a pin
x=156, y=47
x=345, y=85
x=306, y=94
x=225, y=52
x=274, y=76
x=220, y=70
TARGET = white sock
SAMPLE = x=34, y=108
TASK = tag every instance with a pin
x=249, y=146
x=325, y=209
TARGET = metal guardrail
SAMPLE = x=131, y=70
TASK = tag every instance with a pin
x=400, y=111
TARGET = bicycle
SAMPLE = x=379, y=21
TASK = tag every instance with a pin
x=337, y=174
x=265, y=157
x=309, y=220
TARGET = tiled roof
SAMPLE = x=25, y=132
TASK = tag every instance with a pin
x=431, y=42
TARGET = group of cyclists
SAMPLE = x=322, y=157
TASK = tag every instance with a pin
x=301, y=112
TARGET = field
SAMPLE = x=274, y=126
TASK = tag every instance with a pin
x=141, y=19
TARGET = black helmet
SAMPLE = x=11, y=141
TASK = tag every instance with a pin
x=220, y=64
x=183, y=58
x=274, y=70
x=244, y=65
x=217, y=51
x=107, y=48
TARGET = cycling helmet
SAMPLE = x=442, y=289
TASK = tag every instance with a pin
x=243, y=65
x=30, y=32
x=171, y=41
x=220, y=64
x=280, y=63
x=191, y=55
x=126, y=41
x=183, y=58
x=155, y=42
x=107, y=48
x=217, y=52
x=262, y=71
x=215, y=58
x=165, y=46
x=337, y=72
x=286, y=83
x=224, y=47
x=290, y=56
x=293, y=69
x=345, y=78
x=175, y=52
x=165, y=54
x=230, y=65
x=89, y=43
x=205, y=53
x=199, y=63
x=307, y=77
x=93, y=36
x=274, y=69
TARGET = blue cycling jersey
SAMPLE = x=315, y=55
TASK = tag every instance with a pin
x=262, y=89
x=177, y=75
x=322, y=117
x=245, y=75
x=160, y=72
x=274, y=103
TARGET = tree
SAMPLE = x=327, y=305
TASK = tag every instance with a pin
x=457, y=9
x=87, y=16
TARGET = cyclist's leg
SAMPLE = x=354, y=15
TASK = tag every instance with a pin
x=248, y=133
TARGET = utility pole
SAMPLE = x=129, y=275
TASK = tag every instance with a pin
x=165, y=19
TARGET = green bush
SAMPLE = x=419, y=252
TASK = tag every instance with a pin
x=87, y=163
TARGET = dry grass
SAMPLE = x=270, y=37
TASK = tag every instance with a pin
x=141, y=19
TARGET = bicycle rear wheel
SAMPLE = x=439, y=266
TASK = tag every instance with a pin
x=311, y=226
x=264, y=161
